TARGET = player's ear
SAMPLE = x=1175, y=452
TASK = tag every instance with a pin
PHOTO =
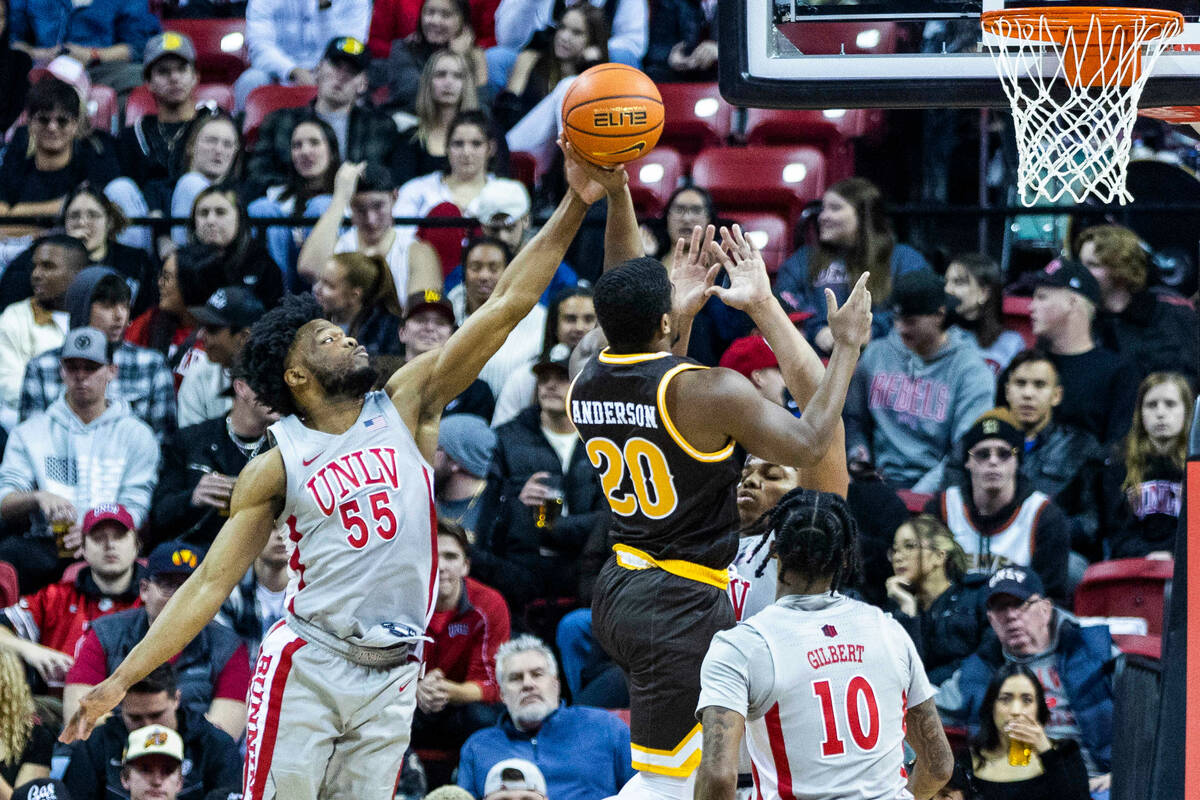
x=293, y=377
x=664, y=325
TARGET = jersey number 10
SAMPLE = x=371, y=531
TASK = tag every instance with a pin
x=865, y=736
x=653, y=487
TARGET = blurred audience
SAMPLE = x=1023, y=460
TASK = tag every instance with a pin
x=460, y=469
x=974, y=280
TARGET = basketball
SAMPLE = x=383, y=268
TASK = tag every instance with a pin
x=612, y=113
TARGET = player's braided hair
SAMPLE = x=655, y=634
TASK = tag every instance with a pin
x=263, y=357
x=815, y=537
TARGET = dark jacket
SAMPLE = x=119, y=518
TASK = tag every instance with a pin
x=210, y=760
x=172, y=515
x=674, y=22
x=1159, y=332
x=511, y=554
x=372, y=137
x=951, y=628
x=1153, y=525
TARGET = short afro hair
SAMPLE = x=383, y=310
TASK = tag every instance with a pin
x=630, y=301
x=263, y=357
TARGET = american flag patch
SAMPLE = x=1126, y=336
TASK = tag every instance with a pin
x=376, y=422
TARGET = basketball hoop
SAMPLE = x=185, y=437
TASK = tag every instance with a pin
x=1073, y=77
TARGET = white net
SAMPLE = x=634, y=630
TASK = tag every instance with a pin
x=1074, y=92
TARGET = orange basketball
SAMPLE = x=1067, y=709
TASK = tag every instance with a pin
x=612, y=113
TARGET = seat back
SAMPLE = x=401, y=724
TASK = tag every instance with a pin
x=695, y=117
x=265, y=99
x=770, y=233
x=221, y=53
x=653, y=178
x=140, y=102
x=778, y=180
x=1126, y=587
x=446, y=241
x=1016, y=317
x=10, y=591
x=522, y=167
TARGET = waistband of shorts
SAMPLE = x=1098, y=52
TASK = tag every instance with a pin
x=379, y=657
x=633, y=558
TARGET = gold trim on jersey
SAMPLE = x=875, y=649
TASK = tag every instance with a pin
x=679, y=762
x=633, y=558
x=606, y=357
x=718, y=455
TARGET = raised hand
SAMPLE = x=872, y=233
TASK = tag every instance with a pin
x=345, y=180
x=587, y=180
x=691, y=273
x=749, y=285
x=851, y=324
x=100, y=700
x=1029, y=732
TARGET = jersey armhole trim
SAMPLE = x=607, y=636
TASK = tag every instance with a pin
x=713, y=457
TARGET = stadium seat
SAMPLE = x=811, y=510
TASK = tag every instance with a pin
x=1126, y=587
x=778, y=180
x=523, y=167
x=1148, y=646
x=141, y=102
x=447, y=241
x=102, y=108
x=72, y=571
x=831, y=130
x=653, y=178
x=770, y=233
x=1016, y=317
x=221, y=54
x=10, y=592
x=265, y=99
x=696, y=117
x=850, y=38
x=914, y=501
x=621, y=714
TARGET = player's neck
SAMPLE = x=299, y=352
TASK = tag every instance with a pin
x=333, y=414
x=790, y=583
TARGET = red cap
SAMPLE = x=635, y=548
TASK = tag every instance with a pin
x=106, y=511
x=748, y=354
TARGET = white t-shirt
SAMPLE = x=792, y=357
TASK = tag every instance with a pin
x=563, y=444
x=396, y=258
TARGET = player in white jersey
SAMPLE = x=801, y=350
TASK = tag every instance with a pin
x=824, y=686
x=333, y=693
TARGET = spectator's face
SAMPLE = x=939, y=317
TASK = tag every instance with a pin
x=85, y=381
x=1087, y=257
x=51, y=276
x=275, y=554
x=216, y=220
x=221, y=344
x=87, y=221
x=169, y=298
x=111, y=317
x=1032, y=392
x=371, y=214
x=453, y=566
x=761, y=487
x=447, y=81
x=110, y=549
x=907, y=555
x=1023, y=626
x=1163, y=412
x=310, y=151
x=837, y=224
x=468, y=151
x=686, y=211
x=992, y=464
x=971, y=296
x=140, y=709
x=528, y=687
x=157, y=591
x=152, y=778
x=920, y=333
x=576, y=316
x=440, y=21
x=1017, y=700
x=1049, y=309
x=339, y=84
x=334, y=293
x=481, y=273
x=571, y=36
x=552, y=392
x=172, y=80
x=424, y=331
x=54, y=131
x=511, y=233
x=215, y=148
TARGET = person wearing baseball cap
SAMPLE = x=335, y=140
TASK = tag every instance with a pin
x=151, y=768
x=224, y=320
x=503, y=211
x=514, y=779
x=460, y=467
x=1099, y=387
x=754, y=358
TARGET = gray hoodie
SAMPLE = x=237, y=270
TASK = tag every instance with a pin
x=78, y=299
x=908, y=412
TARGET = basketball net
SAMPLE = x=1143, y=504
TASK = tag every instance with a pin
x=1073, y=77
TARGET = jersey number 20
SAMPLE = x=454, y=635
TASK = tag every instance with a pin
x=864, y=732
x=653, y=487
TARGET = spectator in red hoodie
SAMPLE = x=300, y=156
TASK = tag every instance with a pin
x=459, y=693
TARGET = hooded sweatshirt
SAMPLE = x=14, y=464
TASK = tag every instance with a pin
x=908, y=411
x=112, y=459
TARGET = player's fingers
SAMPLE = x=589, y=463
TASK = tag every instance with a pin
x=710, y=236
x=718, y=252
x=711, y=277
x=830, y=302
x=695, y=246
x=680, y=249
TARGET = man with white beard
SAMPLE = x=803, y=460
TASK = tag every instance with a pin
x=583, y=752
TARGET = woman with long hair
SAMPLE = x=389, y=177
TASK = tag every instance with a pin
x=932, y=596
x=443, y=24
x=1143, y=482
x=445, y=90
x=1012, y=758
x=974, y=279
x=169, y=326
x=315, y=159
x=578, y=40
x=218, y=219
x=854, y=235
x=25, y=743
x=212, y=155
x=471, y=144
x=357, y=294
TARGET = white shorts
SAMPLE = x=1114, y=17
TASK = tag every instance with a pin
x=320, y=727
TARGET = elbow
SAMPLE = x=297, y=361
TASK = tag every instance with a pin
x=715, y=784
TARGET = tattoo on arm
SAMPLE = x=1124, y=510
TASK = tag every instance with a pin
x=717, y=777
x=935, y=761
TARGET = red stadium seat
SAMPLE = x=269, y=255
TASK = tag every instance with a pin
x=778, y=180
x=1016, y=317
x=523, y=167
x=1148, y=646
x=102, y=108
x=696, y=117
x=1126, y=587
x=914, y=501
x=221, y=54
x=10, y=592
x=621, y=714
x=448, y=242
x=72, y=571
x=141, y=102
x=265, y=99
x=653, y=178
x=850, y=38
x=770, y=233
x=831, y=130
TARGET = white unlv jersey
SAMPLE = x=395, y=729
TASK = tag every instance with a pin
x=361, y=525
x=749, y=592
x=831, y=725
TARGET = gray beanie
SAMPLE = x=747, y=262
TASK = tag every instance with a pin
x=469, y=441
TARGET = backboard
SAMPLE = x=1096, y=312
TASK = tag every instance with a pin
x=900, y=53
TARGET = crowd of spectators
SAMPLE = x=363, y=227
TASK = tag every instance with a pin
x=126, y=416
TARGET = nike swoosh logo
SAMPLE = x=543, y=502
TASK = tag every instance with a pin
x=308, y=461
x=402, y=688
x=636, y=147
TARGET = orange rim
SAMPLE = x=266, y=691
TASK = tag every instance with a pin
x=1057, y=21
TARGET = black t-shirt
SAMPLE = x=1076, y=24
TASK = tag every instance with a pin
x=37, y=751
x=1099, y=392
x=94, y=160
x=476, y=399
x=148, y=149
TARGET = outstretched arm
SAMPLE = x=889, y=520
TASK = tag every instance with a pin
x=927, y=738
x=716, y=778
x=257, y=500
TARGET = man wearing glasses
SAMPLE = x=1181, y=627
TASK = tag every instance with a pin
x=997, y=517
